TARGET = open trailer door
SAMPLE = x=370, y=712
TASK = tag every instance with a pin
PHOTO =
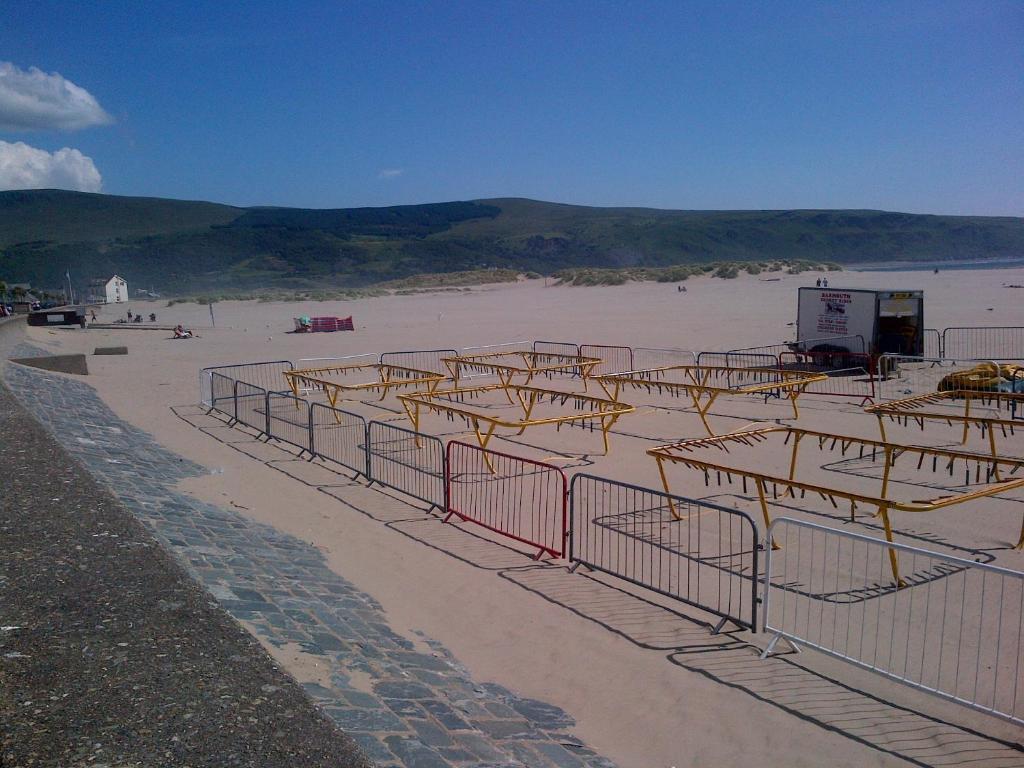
x=900, y=328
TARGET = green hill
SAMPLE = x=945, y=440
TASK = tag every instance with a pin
x=181, y=246
x=59, y=216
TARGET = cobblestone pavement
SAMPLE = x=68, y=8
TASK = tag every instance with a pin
x=424, y=710
x=112, y=655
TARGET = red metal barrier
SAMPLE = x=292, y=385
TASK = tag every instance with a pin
x=521, y=499
x=850, y=374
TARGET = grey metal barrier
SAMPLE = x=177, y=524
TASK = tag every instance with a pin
x=699, y=553
x=1002, y=342
x=849, y=374
x=953, y=631
x=420, y=359
x=613, y=359
x=408, y=461
x=556, y=347
x=932, y=343
x=288, y=420
x=250, y=407
x=751, y=360
x=738, y=359
x=645, y=358
x=338, y=436
x=269, y=375
x=220, y=393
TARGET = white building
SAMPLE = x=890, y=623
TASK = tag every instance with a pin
x=116, y=290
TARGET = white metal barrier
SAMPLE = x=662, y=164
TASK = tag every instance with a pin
x=954, y=631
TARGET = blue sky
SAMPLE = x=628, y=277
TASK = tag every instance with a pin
x=901, y=106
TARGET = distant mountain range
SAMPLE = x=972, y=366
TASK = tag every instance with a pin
x=181, y=246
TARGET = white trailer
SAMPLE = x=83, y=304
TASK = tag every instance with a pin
x=834, y=319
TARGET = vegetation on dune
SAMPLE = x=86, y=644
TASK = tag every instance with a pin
x=447, y=281
x=677, y=274
x=181, y=247
x=454, y=279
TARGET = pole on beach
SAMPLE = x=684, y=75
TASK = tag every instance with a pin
x=212, y=320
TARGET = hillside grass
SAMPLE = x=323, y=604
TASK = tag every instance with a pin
x=195, y=248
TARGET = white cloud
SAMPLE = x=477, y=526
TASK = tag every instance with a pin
x=25, y=167
x=35, y=100
x=390, y=173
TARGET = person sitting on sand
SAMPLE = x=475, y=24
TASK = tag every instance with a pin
x=181, y=332
x=152, y=317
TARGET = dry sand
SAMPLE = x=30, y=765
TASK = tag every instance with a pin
x=648, y=686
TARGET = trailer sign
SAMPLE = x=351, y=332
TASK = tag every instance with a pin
x=832, y=317
x=837, y=313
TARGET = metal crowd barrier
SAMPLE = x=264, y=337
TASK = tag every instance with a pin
x=288, y=420
x=849, y=374
x=339, y=436
x=954, y=631
x=219, y=393
x=1003, y=342
x=408, y=461
x=738, y=359
x=268, y=375
x=420, y=359
x=653, y=357
x=250, y=407
x=519, y=498
x=613, y=359
x=557, y=347
x=932, y=343
x=707, y=558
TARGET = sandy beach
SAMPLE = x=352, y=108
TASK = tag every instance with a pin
x=646, y=681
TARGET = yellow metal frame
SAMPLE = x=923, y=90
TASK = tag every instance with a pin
x=389, y=377
x=915, y=409
x=453, y=402
x=686, y=453
x=702, y=383
x=507, y=365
